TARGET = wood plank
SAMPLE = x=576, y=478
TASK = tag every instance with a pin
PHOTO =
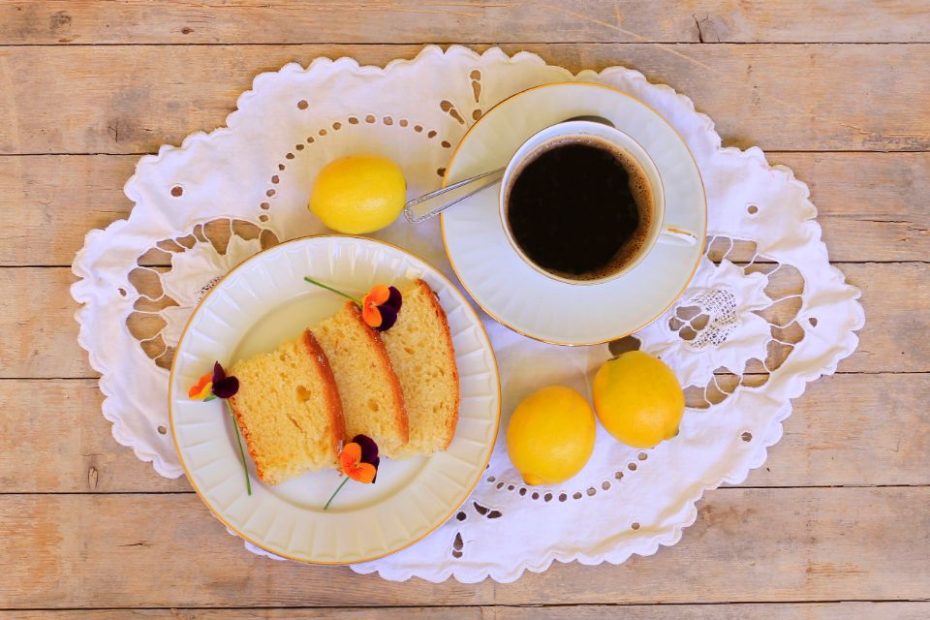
x=894, y=297
x=53, y=439
x=51, y=202
x=776, y=611
x=866, y=203
x=96, y=21
x=40, y=335
x=745, y=611
x=876, y=437
x=119, y=99
x=778, y=545
x=37, y=326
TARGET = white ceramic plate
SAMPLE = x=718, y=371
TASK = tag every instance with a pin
x=265, y=300
x=537, y=306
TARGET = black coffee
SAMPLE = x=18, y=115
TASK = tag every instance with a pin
x=580, y=209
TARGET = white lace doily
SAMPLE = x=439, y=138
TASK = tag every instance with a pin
x=766, y=312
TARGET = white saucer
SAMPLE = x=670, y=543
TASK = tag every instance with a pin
x=530, y=303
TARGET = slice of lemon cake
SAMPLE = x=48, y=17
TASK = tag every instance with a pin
x=420, y=347
x=289, y=410
x=372, y=400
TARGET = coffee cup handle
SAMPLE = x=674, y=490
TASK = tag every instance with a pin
x=672, y=235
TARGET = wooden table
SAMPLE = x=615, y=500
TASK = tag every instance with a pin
x=835, y=525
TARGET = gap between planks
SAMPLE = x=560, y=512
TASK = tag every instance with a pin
x=871, y=442
x=542, y=606
x=722, y=487
x=838, y=264
x=822, y=546
x=36, y=318
x=767, y=152
x=699, y=21
x=467, y=43
x=746, y=89
x=870, y=373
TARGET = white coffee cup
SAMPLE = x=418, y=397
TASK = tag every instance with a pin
x=611, y=139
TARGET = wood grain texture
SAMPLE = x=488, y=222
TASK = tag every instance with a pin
x=418, y=21
x=776, y=545
x=131, y=99
x=868, y=203
x=48, y=204
x=40, y=334
x=880, y=435
x=79, y=77
x=37, y=326
x=54, y=440
x=745, y=611
x=809, y=611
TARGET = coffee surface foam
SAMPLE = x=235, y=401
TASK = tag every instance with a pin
x=639, y=187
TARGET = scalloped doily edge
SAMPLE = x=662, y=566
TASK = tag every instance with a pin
x=773, y=432
x=117, y=428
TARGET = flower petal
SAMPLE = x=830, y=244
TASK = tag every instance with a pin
x=350, y=457
x=204, y=393
x=218, y=373
x=363, y=472
x=201, y=389
x=395, y=300
x=369, y=448
x=388, y=318
x=371, y=315
x=227, y=388
x=378, y=294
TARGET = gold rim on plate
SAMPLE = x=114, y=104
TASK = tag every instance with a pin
x=238, y=531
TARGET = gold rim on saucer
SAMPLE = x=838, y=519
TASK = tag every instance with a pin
x=446, y=180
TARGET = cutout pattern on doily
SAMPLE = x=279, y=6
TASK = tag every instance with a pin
x=742, y=366
x=706, y=319
x=174, y=274
x=702, y=320
x=351, y=122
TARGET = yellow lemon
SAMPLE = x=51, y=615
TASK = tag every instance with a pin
x=358, y=194
x=638, y=399
x=551, y=435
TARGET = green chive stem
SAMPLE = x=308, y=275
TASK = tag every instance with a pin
x=336, y=492
x=331, y=289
